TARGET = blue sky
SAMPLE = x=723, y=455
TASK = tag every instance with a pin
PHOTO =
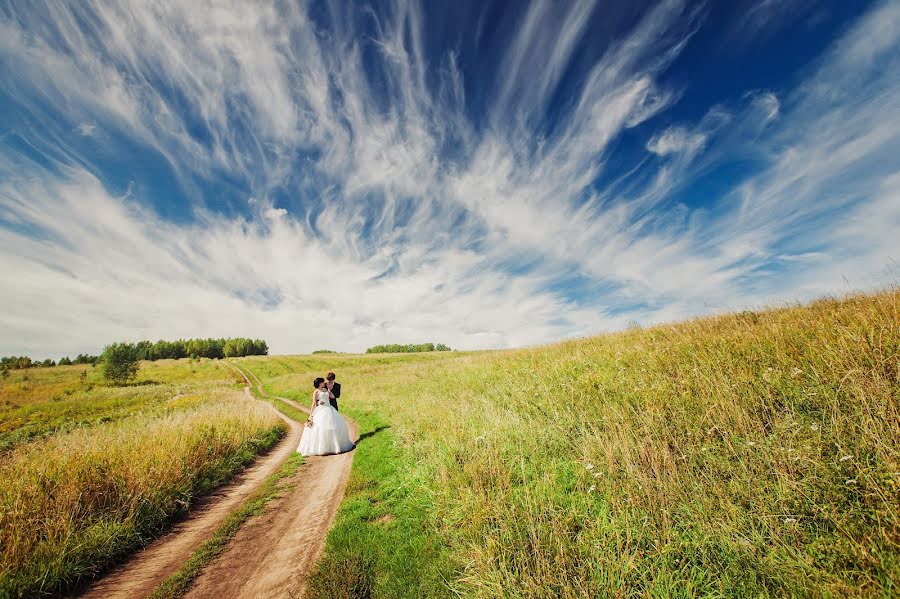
x=340, y=174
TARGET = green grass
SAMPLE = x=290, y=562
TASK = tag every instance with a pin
x=259, y=392
x=750, y=454
x=747, y=455
x=179, y=583
x=381, y=544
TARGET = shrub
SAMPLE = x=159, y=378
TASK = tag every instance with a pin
x=120, y=363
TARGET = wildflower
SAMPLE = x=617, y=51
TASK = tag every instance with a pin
x=813, y=427
x=750, y=444
x=592, y=488
x=850, y=481
x=589, y=466
x=846, y=457
x=790, y=520
x=598, y=474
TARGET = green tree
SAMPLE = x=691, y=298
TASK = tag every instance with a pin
x=120, y=363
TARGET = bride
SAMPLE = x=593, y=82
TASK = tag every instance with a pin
x=326, y=431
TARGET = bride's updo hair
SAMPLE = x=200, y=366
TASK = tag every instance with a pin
x=319, y=380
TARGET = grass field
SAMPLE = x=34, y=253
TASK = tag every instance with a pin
x=88, y=473
x=750, y=454
x=746, y=455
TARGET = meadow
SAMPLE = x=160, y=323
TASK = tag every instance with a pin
x=747, y=454
x=89, y=473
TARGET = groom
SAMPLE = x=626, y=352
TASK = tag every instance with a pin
x=334, y=389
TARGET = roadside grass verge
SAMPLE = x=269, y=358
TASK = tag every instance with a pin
x=179, y=583
x=74, y=504
x=380, y=544
x=259, y=392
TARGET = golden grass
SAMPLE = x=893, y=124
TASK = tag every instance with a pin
x=749, y=454
x=43, y=401
x=72, y=504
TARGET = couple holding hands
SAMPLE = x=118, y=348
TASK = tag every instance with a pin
x=326, y=430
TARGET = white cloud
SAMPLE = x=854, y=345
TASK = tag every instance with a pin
x=86, y=129
x=103, y=269
x=676, y=140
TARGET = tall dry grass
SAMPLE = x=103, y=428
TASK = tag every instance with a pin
x=40, y=402
x=749, y=454
x=72, y=504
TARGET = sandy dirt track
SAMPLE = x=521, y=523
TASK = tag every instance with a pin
x=271, y=554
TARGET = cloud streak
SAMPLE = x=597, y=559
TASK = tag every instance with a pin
x=364, y=202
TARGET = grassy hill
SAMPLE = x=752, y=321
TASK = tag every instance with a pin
x=749, y=454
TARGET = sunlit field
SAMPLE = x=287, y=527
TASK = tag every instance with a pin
x=749, y=454
x=88, y=473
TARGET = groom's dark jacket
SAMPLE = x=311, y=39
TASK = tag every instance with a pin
x=336, y=390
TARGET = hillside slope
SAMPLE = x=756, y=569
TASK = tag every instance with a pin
x=745, y=454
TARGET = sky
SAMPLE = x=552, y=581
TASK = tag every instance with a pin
x=339, y=174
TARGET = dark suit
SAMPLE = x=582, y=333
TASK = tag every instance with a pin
x=336, y=391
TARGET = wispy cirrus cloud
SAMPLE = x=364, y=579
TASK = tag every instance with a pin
x=382, y=209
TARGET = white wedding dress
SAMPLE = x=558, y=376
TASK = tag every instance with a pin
x=328, y=434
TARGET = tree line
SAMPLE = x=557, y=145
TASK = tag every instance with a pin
x=160, y=350
x=199, y=348
x=122, y=360
x=409, y=348
x=22, y=362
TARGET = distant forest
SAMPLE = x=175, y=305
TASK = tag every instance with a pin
x=396, y=348
x=201, y=348
x=21, y=362
x=147, y=350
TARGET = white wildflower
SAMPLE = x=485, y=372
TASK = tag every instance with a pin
x=790, y=520
x=846, y=457
x=592, y=488
x=751, y=443
x=850, y=481
x=598, y=474
x=589, y=466
x=813, y=427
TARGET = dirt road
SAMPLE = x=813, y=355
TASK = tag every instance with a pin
x=271, y=554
